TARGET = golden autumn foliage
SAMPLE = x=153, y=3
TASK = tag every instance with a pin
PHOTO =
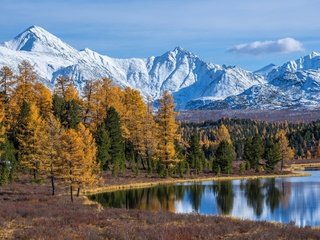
x=7, y=82
x=51, y=163
x=285, y=150
x=132, y=119
x=98, y=96
x=43, y=98
x=308, y=155
x=90, y=168
x=318, y=151
x=71, y=93
x=78, y=155
x=36, y=120
x=24, y=91
x=92, y=104
x=31, y=137
x=167, y=130
x=71, y=155
x=62, y=83
x=25, y=81
x=150, y=133
x=2, y=119
x=223, y=135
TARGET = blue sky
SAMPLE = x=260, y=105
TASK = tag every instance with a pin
x=211, y=29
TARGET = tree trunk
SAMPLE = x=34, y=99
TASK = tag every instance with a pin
x=78, y=192
x=52, y=184
x=34, y=174
x=71, y=193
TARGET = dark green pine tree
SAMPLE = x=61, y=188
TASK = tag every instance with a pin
x=225, y=155
x=103, y=146
x=72, y=114
x=253, y=151
x=69, y=113
x=8, y=162
x=195, y=154
x=116, y=140
x=13, y=132
x=273, y=156
x=58, y=106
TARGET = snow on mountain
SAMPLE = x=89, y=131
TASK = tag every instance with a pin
x=179, y=71
x=36, y=39
x=193, y=82
x=266, y=70
x=309, y=62
x=294, y=85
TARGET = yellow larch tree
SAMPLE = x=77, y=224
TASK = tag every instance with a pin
x=94, y=108
x=285, y=149
x=78, y=155
x=132, y=119
x=284, y=144
x=61, y=85
x=2, y=123
x=71, y=94
x=7, y=82
x=113, y=96
x=24, y=91
x=167, y=130
x=43, y=99
x=71, y=155
x=318, y=151
x=90, y=168
x=99, y=96
x=31, y=138
x=51, y=162
x=26, y=79
x=222, y=134
x=150, y=133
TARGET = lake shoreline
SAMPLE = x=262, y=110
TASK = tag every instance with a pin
x=170, y=181
x=28, y=209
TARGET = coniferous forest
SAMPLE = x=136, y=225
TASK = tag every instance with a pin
x=56, y=143
x=71, y=138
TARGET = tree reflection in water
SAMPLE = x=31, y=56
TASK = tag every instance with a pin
x=256, y=192
x=272, y=194
x=254, y=195
x=195, y=192
x=154, y=199
x=224, y=196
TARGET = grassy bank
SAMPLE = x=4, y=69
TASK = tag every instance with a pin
x=164, y=181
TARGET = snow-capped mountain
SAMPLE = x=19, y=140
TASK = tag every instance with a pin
x=266, y=70
x=294, y=85
x=179, y=71
x=193, y=82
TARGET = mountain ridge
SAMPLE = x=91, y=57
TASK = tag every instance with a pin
x=193, y=82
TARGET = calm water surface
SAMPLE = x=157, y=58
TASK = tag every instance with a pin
x=295, y=199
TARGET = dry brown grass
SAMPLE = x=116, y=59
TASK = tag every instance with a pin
x=28, y=211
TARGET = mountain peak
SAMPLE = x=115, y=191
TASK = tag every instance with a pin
x=179, y=49
x=180, y=52
x=35, y=28
x=314, y=54
x=37, y=39
x=266, y=69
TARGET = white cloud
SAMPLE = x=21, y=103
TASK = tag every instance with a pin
x=284, y=45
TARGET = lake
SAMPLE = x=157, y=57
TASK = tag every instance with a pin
x=292, y=199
